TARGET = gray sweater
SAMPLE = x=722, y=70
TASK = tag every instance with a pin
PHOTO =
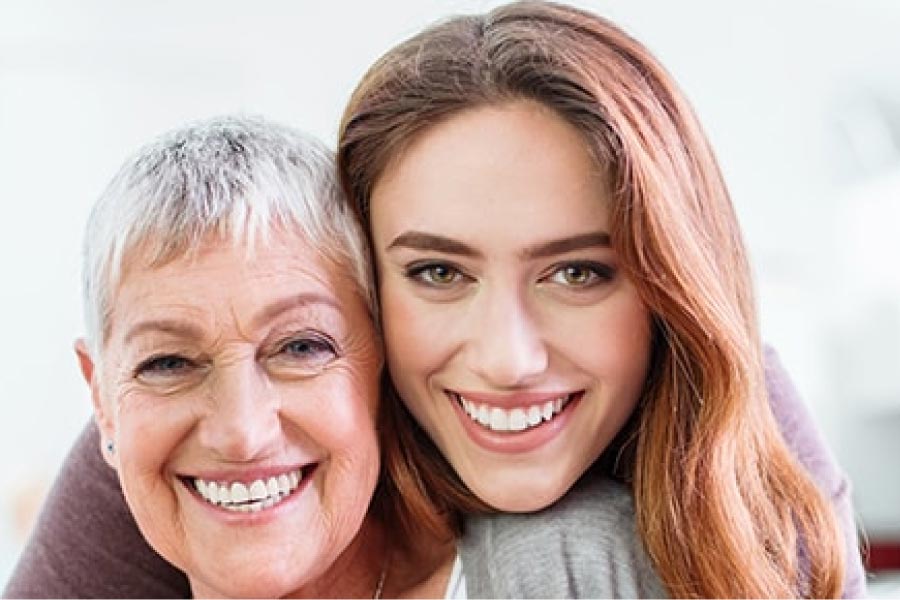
x=584, y=546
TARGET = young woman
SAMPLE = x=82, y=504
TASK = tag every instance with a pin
x=564, y=291
x=562, y=282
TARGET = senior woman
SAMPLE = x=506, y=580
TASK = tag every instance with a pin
x=233, y=368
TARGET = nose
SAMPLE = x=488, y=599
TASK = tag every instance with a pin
x=507, y=346
x=242, y=420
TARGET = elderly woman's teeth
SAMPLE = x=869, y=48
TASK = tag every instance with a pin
x=252, y=497
x=516, y=419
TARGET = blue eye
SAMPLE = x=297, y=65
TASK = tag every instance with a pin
x=307, y=347
x=581, y=274
x=305, y=352
x=436, y=274
x=166, y=365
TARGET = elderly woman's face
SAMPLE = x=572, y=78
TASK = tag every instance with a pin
x=240, y=390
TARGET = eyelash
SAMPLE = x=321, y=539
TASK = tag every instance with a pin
x=597, y=272
x=161, y=365
x=422, y=272
x=317, y=342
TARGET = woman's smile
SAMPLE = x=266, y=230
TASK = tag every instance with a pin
x=518, y=424
x=246, y=494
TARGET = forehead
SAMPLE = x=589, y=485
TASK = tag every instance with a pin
x=221, y=277
x=515, y=163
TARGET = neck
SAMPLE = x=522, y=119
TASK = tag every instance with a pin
x=356, y=572
x=421, y=571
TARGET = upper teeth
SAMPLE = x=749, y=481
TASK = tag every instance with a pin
x=247, y=497
x=516, y=419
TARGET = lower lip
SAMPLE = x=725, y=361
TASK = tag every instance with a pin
x=250, y=518
x=515, y=442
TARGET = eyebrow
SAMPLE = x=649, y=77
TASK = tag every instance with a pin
x=175, y=327
x=291, y=302
x=418, y=240
x=597, y=239
x=188, y=330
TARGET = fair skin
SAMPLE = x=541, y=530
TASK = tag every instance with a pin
x=268, y=388
x=533, y=328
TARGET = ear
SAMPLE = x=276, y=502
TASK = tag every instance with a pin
x=101, y=414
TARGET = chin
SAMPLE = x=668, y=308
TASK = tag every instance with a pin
x=249, y=579
x=514, y=496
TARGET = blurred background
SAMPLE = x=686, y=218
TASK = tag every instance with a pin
x=801, y=100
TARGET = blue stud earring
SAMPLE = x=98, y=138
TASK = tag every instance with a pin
x=111, y=447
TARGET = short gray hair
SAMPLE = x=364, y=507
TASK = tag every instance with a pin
x=233, y=176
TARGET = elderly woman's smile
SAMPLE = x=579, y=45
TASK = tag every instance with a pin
x=244, y=496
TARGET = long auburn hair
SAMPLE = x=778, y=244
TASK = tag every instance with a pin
x=723, y=508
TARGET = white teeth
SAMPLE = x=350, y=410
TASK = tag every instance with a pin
x=484, y=415
x=224, y=495
x=258, y=490
x=239, y=493
x=249, y=497
x=547, y=411
x=498, y=419
x=516, y=419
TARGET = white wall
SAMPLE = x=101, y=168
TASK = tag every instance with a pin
x=798, y=98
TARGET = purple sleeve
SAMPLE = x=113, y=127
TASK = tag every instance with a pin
x=806, y=442
x=85, y=543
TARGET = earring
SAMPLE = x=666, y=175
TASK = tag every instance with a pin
x=111, y=446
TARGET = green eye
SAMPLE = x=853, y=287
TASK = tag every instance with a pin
x=576, y=275
x=582, y=275
x=440, y=274
x=434, y=274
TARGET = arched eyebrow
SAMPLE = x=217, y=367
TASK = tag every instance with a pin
x=596, y=239
x=419, y=240
x=174, y=327
x=303, y=300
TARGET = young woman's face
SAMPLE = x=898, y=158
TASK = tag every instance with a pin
x=512, y=334
x=241, y=393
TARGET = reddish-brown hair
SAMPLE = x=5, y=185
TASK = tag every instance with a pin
x=722, y=507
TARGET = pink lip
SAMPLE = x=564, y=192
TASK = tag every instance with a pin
x=246, y=475
x=514, y=442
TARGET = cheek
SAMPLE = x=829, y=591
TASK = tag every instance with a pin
x=336, y=413
x=410, y=336
x=150, y=430
x=613, y=343
x=149, y=436
x=342, y=427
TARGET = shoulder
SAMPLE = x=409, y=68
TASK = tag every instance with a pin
x=807, y=444
x=585, y=545
x=86, y=544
